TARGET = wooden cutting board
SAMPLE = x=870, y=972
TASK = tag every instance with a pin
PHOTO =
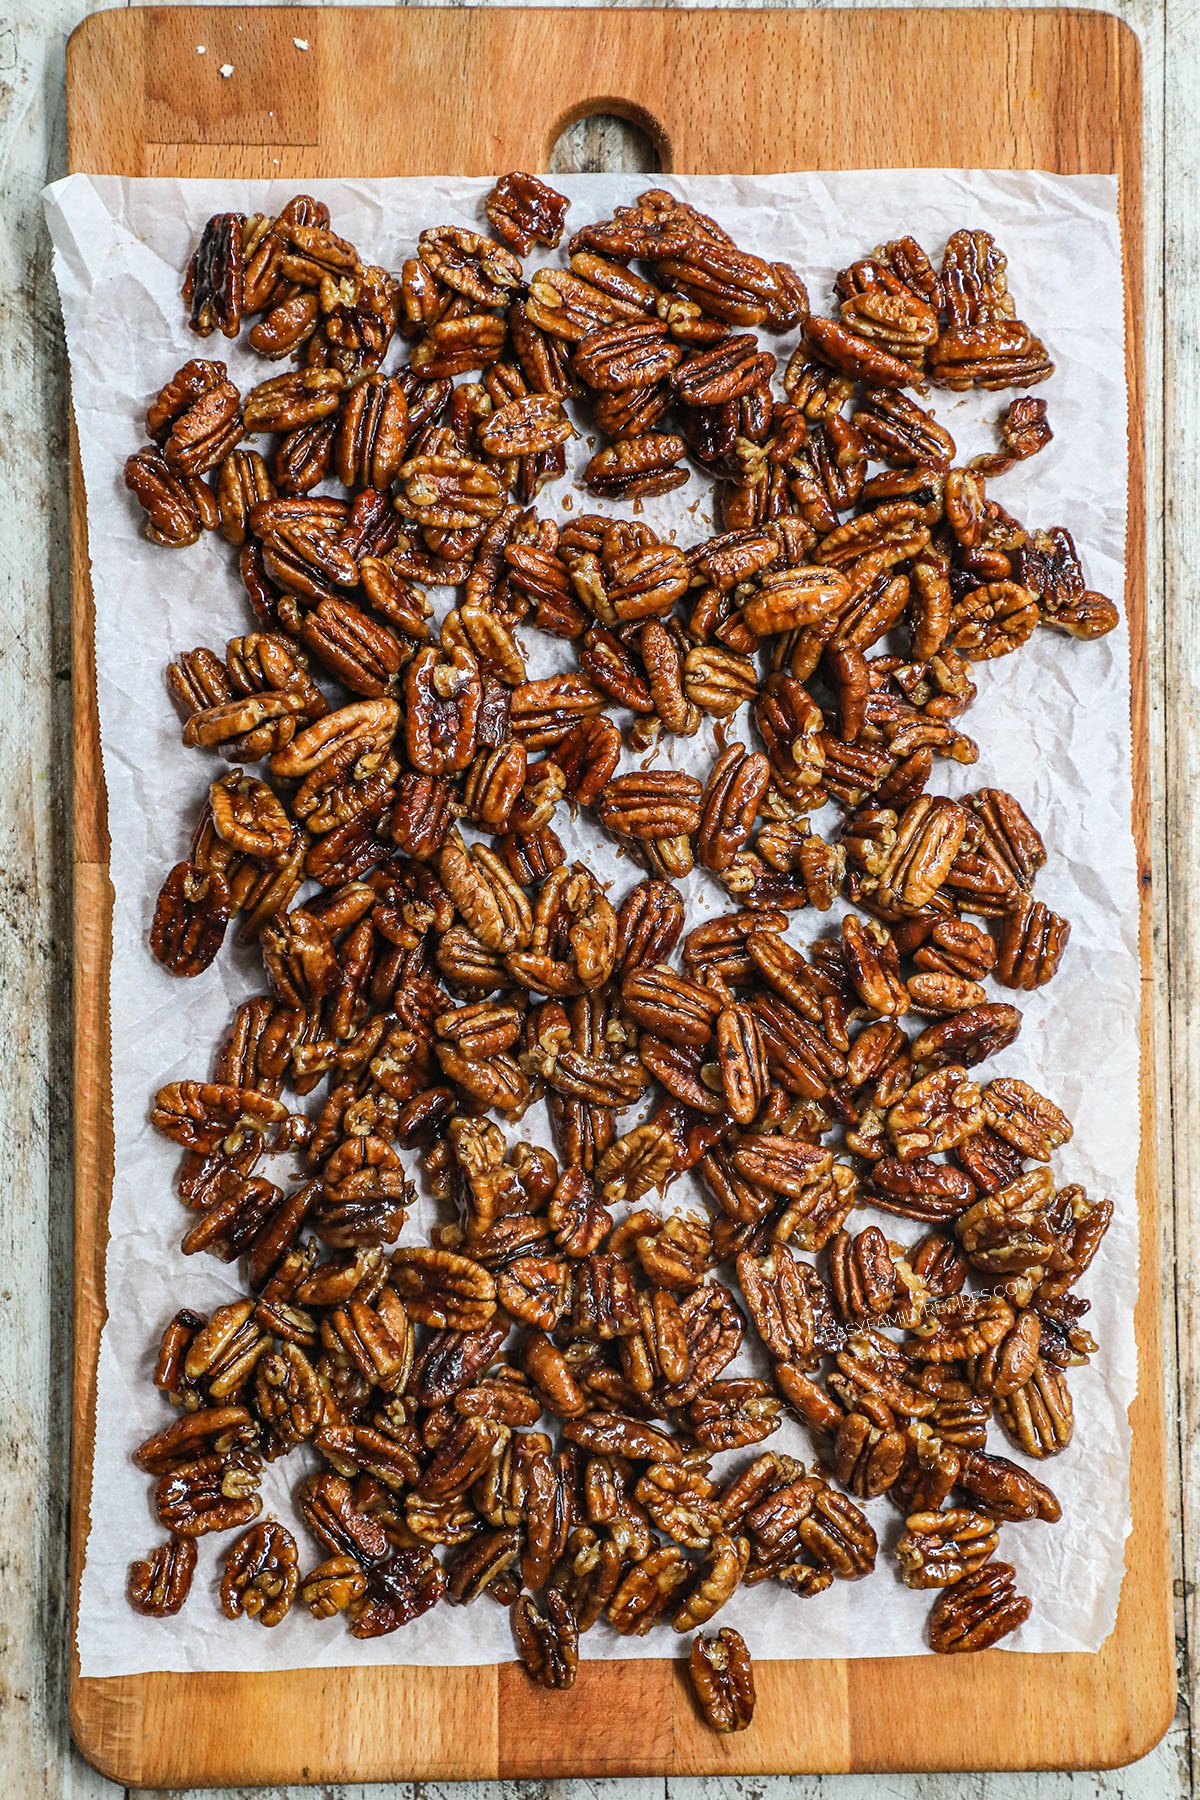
x=412, y=92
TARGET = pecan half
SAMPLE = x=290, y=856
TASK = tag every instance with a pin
x=723, y=1680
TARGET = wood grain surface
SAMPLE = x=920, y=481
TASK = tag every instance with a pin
x=1048, y=89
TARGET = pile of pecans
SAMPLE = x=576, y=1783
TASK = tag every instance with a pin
x=431, y=957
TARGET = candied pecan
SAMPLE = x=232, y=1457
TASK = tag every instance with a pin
x=862, y=1274
x=223, y=1429
x=333, y=1587
x=977, y=1611
x=762, y=1050
x=873, y=966
x=1038, y=1415
x=289, y=1398
x=485, y=893
x=937, y=1549
x=176, y=506
x=159, y=1584
x=868, y=1457
x=1004, y=1489
x=730, y=805
x=214, y=286
x=444, y=1290
x=724, y=371
x=856, y=356
x=741, y=1061
x=670, y=1005
x=205, y=1115
x=213, y=1493
x=479, y=1564
x=203, y=431
x=547, y=1643
x=468, y=264
x=899, y=432
x=916, y=1187
x=783, y=1165
x=723, y=1680
x=993, y=621
x=956, y=947
x=525, y=211
x=968, y=1037
x=1032, y=941
x=729, y=1415
x=1016, y=1112
x=837, y=1535
x=629, y=353
x=1008, y=1364
x=190, y=919
x=261, y=1574
x=649, y=921
x=780, y=1294
x=637, y=467
x=1015, y=1229
x=937, y=1113
x=648, y=1590
x=679, y=1500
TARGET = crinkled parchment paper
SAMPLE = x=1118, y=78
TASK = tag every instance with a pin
x=1052, y=724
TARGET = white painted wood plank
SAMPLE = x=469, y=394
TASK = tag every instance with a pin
x=650, y=1788
x=1155, y=1777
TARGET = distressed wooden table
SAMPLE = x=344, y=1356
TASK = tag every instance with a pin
x=36, y=1757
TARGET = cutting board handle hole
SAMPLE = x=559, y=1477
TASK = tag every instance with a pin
x=607, y=137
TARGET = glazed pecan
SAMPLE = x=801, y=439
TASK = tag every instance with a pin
x=444, y=1290
x=190, y=920
x=547, y=1643
x=635, y=467
x=977, y=1611
x=261, y=1574
x=159, y=1584
x=936, y=1550
x=176, y=507
x=937, y=1113
x=525, y=211
x=647, y=1593
x=723, y=1680
x=213, y=1493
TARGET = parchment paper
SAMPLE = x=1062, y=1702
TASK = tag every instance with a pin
x=1052, y=724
